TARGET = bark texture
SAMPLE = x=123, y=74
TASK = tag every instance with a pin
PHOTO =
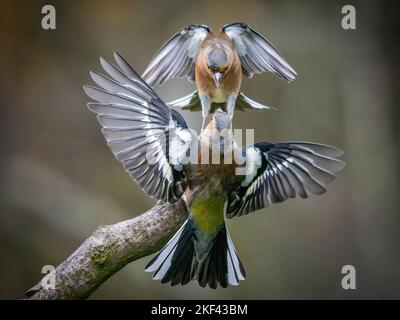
x=109, y=249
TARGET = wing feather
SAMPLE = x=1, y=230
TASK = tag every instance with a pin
x=176, y=57
x=283, y=170
x=137, y=126
x=256, y=53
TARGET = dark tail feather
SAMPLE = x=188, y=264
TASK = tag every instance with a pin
x=222, y=265
x=174, y=262
x=177, y=261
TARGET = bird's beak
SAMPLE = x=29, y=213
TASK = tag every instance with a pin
x=217, y=78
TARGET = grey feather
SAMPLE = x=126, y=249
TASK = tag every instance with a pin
x=284, y=170
x=192, y=102
x=176, y=57
x=136, y=124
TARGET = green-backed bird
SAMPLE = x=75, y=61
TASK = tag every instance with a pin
x=153, y=143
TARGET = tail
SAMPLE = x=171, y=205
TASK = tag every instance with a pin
x=192, y=102
x=179, y=263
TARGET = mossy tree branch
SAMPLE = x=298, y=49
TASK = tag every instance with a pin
x=109, y=249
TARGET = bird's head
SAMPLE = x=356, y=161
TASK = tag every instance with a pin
x=221, y=120
x=218, y=134
x=218, y=63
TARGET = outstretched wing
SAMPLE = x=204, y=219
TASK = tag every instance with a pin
x=176, y=57
x=256, y=53
x=243, y=103
x=192, y=102
x=276, y=172
x=140, y=129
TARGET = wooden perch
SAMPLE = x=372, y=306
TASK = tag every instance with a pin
x=110, y=248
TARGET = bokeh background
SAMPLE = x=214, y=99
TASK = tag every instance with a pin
x=59, y=181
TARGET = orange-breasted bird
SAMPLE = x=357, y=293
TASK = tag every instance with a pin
x=153, y=143
x=216, y=63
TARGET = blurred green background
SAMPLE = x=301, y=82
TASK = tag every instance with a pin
x=60, y=181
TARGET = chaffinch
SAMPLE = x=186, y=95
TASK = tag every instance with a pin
x=153, y=143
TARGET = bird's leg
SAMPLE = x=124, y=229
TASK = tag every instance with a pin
x=205, y=108
x=230, y=104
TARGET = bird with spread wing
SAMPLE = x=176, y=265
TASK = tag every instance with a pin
x=153, y=142
x=216, y=63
